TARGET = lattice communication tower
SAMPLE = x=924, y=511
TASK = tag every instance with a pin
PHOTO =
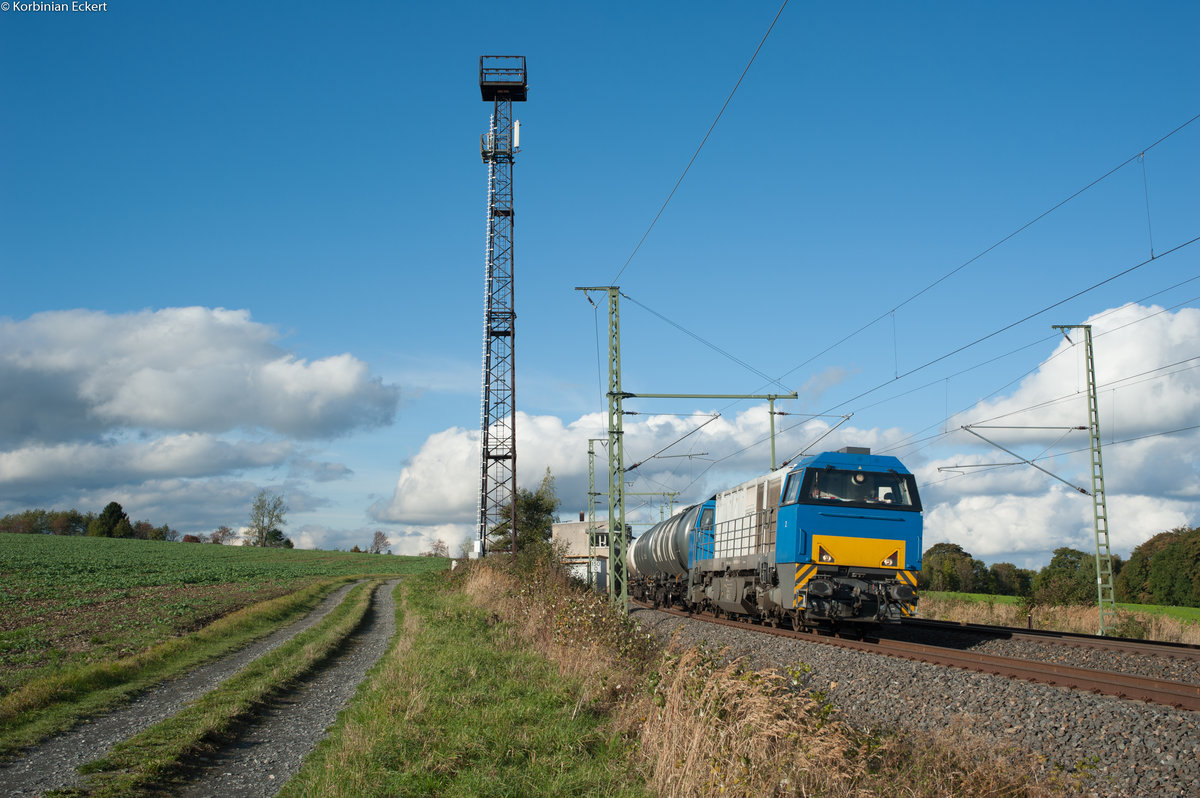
x=502, y=81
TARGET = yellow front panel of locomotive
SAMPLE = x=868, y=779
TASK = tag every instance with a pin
x=860, y=552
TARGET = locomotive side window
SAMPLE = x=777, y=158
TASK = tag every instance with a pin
x=862, y=488
x=791, y=491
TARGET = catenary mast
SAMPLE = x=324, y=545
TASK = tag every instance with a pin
x=502, y=82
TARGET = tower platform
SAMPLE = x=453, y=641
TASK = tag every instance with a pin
x=502, y=77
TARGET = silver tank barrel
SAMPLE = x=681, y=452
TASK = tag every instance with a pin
x=664, y=547
x=631, y=556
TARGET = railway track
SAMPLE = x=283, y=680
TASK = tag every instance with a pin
x=1181, y=651
x=1181, y=695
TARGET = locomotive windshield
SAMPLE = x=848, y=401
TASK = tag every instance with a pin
x=883, y=490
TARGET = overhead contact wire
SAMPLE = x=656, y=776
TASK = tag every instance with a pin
x=696, y=154
x=707, y=343
x=1004, y=240
x=905, y=441
x=1007, y=327
x=1075, y=451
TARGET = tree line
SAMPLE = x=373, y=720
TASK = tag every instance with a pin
x=1164, y=570
x=268, y=513
x=111, y=522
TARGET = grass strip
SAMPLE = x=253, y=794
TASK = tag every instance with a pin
x=458, y=706
x=52, y=704
x=143, y=763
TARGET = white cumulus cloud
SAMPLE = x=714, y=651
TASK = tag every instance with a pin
x=75, y=373
x=170, y=409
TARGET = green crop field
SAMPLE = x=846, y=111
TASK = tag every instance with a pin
x=68, y=601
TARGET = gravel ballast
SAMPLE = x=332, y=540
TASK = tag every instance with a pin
x=52, y=764
x=1133, y=749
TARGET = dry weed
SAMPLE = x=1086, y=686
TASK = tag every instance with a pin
x=958, y=761
x=710, y=728
x=577, y=630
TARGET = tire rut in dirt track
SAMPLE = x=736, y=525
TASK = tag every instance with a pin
x=51, y=764
x=270, y=750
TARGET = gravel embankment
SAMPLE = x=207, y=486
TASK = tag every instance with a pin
x=1137, y=749
x=51, y=765
x=270, y=750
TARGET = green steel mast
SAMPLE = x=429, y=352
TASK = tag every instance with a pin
x=618, y=573
x=592, y=494
x=1104, y=576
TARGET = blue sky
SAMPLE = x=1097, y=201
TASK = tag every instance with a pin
x=243, y=248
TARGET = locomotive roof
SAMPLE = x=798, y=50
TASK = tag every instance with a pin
x=872, y=462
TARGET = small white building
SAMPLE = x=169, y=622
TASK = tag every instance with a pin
x=572, y=536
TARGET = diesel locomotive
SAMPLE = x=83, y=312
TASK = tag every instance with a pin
x=833, y=539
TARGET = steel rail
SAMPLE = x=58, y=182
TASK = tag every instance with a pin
x=1180, y=695
x=1140, y=688
x=1158, y=648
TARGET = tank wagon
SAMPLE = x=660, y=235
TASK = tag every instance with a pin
x=833, y=539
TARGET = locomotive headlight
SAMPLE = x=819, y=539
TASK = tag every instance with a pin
x=890, y=562
x=823, y=555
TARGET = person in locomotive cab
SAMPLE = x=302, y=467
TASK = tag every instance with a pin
x=823, y=490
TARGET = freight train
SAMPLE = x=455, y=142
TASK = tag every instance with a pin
x=833, y=539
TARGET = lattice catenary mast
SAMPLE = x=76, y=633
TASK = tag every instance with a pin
x=502, y=82
x=1105, y=592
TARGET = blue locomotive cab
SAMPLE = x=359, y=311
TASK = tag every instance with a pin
x=850, y=527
